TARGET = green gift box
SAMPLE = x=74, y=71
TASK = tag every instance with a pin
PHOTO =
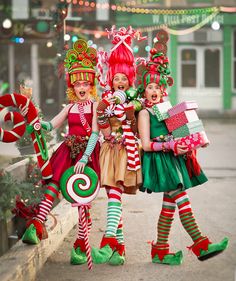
x=189, y=128
x=161, y=110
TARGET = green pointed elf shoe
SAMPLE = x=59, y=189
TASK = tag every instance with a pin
x=30, y=235
x=103, y=255
x=78, y=253
x=160, y=254
x=77, y=256
x=35, y=232
x=118, y=257
x=204, y=249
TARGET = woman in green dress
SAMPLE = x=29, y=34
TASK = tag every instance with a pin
x=164, y=163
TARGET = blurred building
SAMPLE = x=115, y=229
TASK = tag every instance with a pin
x=34, y=35
x=202, y=48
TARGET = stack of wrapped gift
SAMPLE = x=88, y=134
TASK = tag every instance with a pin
x=161, y=110
x=185, y=126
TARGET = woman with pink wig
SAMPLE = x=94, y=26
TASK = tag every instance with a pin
x=119, y=156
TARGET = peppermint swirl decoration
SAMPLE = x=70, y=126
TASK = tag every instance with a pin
x=79, y=188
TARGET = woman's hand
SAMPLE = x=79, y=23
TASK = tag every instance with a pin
x=110, y=99
x=104, y=103
x=79, y=167
x=181, y=149
x=129, y=110
x=23, y=110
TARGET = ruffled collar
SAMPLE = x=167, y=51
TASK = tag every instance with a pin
x=84, y=103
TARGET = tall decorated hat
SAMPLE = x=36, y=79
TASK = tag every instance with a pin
x=121, y=57
x=80, y=63
x=156, y=68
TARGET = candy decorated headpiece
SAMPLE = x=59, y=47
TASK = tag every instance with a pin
x=121, y=58
x=80, y=63
x=156, y=69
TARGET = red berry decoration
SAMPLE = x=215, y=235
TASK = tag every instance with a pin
x=80, y=57
x=152, y=67
x=153, y=51
x=161, y=48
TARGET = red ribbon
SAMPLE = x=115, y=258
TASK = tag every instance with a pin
x=192, y=164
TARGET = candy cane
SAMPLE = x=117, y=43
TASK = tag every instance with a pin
x=133, y=160
x=102, y=61
x=18, y=128
x=82, y=210
x=80, y=190
x=17, y=100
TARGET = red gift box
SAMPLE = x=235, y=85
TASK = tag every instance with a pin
x=180, y=119
x=186, y=105
x=194, y=141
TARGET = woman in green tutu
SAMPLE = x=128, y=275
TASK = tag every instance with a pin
x=164, y=163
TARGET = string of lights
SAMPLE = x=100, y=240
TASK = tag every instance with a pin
x=129, y=8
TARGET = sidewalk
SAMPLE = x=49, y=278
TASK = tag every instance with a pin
x=22, y=262
x=214, y=205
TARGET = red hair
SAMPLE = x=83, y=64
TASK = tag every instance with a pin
x=121, y=60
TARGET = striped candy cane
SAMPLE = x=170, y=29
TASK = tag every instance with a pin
x=17, y=100
x=102, y=61
x=82, y=210
x=130, y=142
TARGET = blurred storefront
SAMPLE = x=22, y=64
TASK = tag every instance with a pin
x=202, y=47
x=34, y=36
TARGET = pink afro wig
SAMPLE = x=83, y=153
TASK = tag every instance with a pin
x=121, y=59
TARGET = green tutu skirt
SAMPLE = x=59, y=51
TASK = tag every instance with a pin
x=163, y=172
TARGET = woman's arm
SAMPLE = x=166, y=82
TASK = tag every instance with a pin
x=80, y=165
x=95, y=120
x=130, y=117
x=103, y=121
x=148, y=145
x=58, y=120
x=144, y=129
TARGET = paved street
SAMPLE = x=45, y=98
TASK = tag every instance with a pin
x=214, y=205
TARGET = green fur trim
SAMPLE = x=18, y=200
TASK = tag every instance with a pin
x=101, y=255
x=116, y=259
x=30, y=236
x=77, y=256
x=170, y=259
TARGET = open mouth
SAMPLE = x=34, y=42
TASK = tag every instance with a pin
x=121, y=88
x=82, y=93
x=154, y=97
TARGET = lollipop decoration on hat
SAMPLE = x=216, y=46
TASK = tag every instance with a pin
x=156, y=70
x=80, y=62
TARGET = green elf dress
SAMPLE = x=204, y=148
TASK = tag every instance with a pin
x=163, y=171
